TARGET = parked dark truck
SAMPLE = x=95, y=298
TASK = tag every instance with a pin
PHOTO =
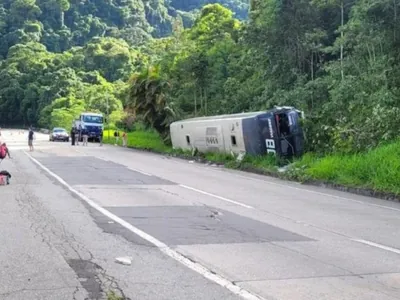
x=276, y=131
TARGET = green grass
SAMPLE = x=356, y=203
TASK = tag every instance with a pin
x=139, y=139
x=113, y=296
x=378, y=169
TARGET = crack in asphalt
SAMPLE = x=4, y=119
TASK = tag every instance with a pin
x=55, y=235
x=6, y=294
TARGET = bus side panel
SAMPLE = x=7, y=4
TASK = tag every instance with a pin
x=214, y=138
x=251, y=136
x=199, y=138
x=174, y=132
x=178, y=137
x=233, y=136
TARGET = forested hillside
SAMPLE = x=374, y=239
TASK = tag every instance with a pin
x=59, y=57
x=336, y=59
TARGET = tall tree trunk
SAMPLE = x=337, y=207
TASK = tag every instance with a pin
x=312, y=65
x=205, y=102
x=195, y=102
x=62, y=19
x=312, y=78
x=395, y=20
x=201, y=100
x=341, y=37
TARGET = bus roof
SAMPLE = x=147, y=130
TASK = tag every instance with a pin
x=239, y=115
x=226, y=116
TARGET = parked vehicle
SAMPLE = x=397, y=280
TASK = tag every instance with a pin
x=59, y=134
x=91, y=123
x=276, y=131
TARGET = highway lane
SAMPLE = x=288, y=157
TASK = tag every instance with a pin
x=55, y=246
x=276, y=239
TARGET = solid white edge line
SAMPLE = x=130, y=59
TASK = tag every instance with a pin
x=216, y=196
x=144, y=173
x=288, y=185
x=160, y=245
x=383, y=247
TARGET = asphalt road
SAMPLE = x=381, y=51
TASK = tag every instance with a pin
x=190, y=231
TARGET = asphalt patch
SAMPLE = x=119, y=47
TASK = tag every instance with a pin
x=88, y=170
x=87, y=273
x=112, y=227
x=189, y=225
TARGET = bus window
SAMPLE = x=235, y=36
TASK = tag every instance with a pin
x=233, y=140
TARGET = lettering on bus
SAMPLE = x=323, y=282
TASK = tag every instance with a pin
x=271, y=131
x=270, y=144
x=211, y=140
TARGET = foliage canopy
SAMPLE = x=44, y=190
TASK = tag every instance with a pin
x=338, y=60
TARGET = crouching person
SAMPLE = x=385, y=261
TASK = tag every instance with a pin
x=4, y=151
x=4, y=177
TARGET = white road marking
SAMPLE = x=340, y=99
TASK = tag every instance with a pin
x=287, y=185
x=276, y=184
x=387, y=248
x=136, y=170
x=284, y=185
x=309, y=191
x=216, y=196
x=218, y=279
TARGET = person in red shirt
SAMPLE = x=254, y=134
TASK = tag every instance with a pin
x=4, y=151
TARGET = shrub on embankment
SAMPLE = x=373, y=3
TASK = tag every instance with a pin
x=377, y=169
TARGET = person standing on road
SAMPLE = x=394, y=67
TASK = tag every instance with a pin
x=124, y=139
x=30, y=139
x=85, y=137
x=77, y=134
x=73, y=136
x=116, y=135
x=101, y=137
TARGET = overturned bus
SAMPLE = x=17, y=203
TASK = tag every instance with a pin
x=276, y=131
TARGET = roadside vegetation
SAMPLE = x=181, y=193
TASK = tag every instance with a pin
x=153, y=63
x=377, y=169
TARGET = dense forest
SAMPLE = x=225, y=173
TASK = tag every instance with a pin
x=338, y=60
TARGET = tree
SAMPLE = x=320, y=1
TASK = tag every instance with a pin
x=148, y=97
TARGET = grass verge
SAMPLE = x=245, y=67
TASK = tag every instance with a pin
x=145, y=140
x=377, y=170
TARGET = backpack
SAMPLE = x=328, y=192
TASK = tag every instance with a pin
x=3, y=151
